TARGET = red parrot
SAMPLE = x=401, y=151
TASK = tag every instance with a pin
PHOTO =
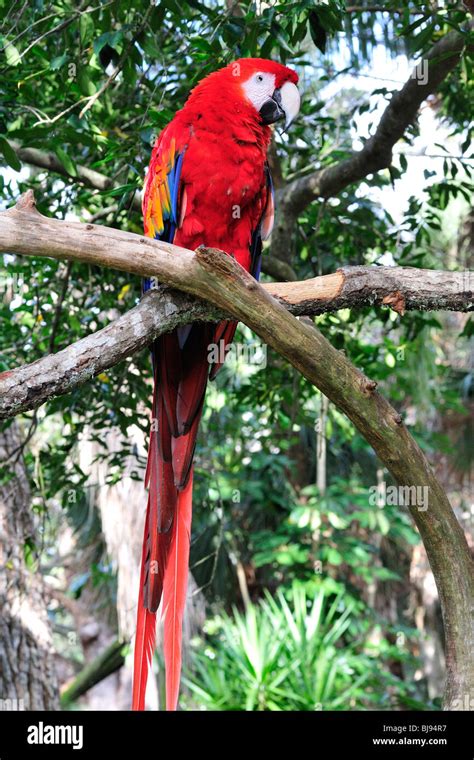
x=208, y=183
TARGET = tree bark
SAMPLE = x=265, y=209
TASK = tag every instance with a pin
x=27, y=669
x=24, y=388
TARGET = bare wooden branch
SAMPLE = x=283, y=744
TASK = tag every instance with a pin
x=401, y=288
x=397, y=117
x=24, y=388
x=209, y=274
x=29, y=386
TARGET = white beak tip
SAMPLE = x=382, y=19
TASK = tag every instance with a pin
x=290, y=101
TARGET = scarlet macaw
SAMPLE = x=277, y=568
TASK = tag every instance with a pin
x=208, y=183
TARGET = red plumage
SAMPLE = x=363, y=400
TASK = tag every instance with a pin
x=207, y=184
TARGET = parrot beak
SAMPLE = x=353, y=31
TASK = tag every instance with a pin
x=272, y=110
x=290, y=102
x=283, y=104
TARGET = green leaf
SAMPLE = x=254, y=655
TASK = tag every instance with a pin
x=86, y=28
x=67, y=162
x=113, y=39
x=333, y=556
x=468, y=330
x=383, y=523
x=411, y=28
x=130, y=72
x=120, y=190
x=9, y=154
x=29, y=553
x=317, y=31
x=58, y=62
x=160, y=118
x=425, y=36
x=85, y=85
x=12, y=54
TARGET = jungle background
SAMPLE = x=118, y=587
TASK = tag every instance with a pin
x=309, y=590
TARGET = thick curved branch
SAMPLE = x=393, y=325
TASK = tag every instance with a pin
x=401, y=288
x=377, y=151
x=209, y=274
x=397, y=117
x=27, y=387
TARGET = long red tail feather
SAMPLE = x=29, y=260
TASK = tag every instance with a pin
x=174, y=593
x=145, y=635
x=181, y=371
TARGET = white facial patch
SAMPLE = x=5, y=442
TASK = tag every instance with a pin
x=259, y=88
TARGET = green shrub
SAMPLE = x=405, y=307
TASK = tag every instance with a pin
x=286, y=655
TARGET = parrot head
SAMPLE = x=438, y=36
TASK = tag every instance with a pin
x=262, y=89
x=271, y=88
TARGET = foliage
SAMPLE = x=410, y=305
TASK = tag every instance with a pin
x=295, y=653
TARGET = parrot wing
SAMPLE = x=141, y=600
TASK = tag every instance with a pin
x=161, y=198
x=265, y=225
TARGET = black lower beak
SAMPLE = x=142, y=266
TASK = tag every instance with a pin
x=271, y=111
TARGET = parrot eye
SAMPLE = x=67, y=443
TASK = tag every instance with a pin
x=259, y=78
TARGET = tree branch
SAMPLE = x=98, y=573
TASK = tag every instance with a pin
x=401, y=288
x=107, y=662
x=209, y=274
x=29, y=386
x=47, y=160
x=25, y=388
x=377, y=151
x=397, y=117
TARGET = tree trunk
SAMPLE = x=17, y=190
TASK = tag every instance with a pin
x=27, y=671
